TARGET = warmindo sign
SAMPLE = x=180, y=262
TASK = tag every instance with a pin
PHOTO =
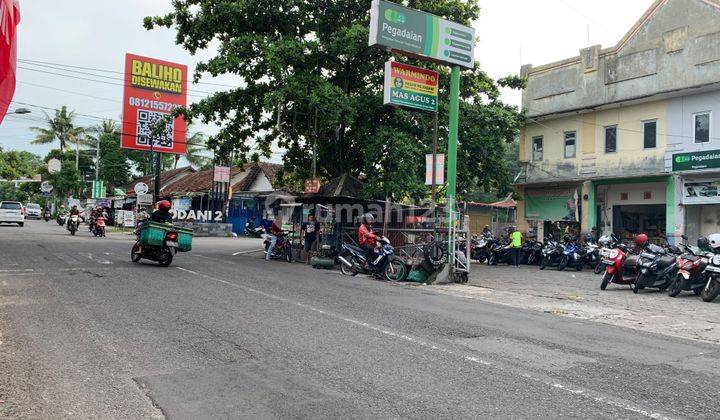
x=410, y=86
x=423, y=34
x=153, y=89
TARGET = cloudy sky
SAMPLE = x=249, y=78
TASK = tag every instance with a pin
x=95, y=34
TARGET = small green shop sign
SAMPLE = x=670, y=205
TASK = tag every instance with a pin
x=423, y=34
x=706, y=159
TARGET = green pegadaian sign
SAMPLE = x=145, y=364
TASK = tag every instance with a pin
x=423, y=34
x=692, y=161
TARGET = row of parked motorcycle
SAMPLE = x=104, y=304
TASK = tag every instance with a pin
x=643, y=265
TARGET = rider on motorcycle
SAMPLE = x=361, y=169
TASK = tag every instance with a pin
x=162, y=214
x=275, y=231
x=367, y=239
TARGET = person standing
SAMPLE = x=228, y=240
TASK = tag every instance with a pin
x=308, y=233
x=515, y=244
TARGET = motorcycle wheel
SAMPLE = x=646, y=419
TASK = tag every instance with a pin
x=395, y=270
x=607, y=278
x=134, y=256
x=166, y=258
x=544, y=263
x=676, y=286
x=638, y=284
x=288, y=255
x=492, y=259
x=578, y=266
x=348, y=271
x=563, y=263
x=72, y=232
x=599, y=268
x=711, y=291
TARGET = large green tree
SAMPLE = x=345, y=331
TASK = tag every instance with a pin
x=16, y=164
x=113, y=164
x=307, y=76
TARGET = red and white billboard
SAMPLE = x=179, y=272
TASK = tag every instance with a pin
x=153, y=89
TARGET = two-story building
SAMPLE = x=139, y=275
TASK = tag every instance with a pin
x=604, y=128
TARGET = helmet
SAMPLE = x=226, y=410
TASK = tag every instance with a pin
x=641, y=239
x=475, y=236
x=368, y=218
x=714, y=240
x=62, y=206
x=164, y=205
x=703, y=242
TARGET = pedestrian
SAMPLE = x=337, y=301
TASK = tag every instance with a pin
x=515, y=245
x=308, y=233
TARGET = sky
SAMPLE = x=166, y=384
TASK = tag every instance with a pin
x=96, y=34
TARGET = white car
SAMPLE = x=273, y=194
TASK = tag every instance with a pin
x=33, y=211
x=12, y=212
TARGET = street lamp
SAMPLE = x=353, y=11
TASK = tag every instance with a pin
x=20, y=111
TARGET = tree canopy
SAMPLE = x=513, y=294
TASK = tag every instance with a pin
x=308, y=76
x=60, y=127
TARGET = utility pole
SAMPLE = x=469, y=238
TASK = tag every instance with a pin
x=452, y=157
x=97, y=160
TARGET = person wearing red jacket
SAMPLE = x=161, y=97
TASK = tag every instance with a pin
x=367, y=239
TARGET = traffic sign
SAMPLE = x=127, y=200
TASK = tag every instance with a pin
x=46, y=187
x=145, y=199
x=141, y=188
x=54, y=166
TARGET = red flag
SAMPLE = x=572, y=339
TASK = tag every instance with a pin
x=9, y=18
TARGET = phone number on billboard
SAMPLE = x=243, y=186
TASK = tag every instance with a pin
x=147, y=103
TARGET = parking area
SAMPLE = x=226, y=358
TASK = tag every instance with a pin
x=578, y=295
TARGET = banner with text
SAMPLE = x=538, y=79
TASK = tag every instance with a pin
x=410, y=86
x=153, y=89
x=553, y=204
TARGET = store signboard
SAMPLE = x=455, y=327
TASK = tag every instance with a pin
x=692, y=161
x=153, y=89
x=221, y=174
x=701, y=191
x=410, y=86
x=551, y=204
x=421, y=34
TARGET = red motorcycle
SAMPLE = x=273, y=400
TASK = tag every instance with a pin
x=619, y=267
x=691, y=267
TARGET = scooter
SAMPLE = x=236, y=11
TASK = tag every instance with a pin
x=47, y=215
x=384, y=265
x=500, y=253
x=712, y=276
x=163, y=255
x=61, y=218
x=480, y=251
x=253, y=232
x=620, y=267
x=73, y=222
x=531, y=252
x=657, y=269
x=570, y=257
x=99, y=227
x=693, y=269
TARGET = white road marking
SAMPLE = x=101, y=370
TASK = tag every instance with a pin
x=585, y=393
x=101, y=261
x=248, y=252
x=24, y=270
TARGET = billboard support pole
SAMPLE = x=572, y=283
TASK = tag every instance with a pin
x=452, y=157
x=434, y=160
x=158, y=166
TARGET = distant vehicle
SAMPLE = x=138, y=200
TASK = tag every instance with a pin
x=33, y=211
x=12, y=212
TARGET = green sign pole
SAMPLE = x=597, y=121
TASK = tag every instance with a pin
x=452, y=154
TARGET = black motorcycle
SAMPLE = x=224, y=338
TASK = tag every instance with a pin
x=500, y=252
x=384, y=264
x=282, y=249
x=531, y=252
x=163, y=255
x=552, y=253
x=657, y=268
x=480, y=248
x=47, y=215
x=253, y=232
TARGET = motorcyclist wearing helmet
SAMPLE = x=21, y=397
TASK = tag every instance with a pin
x=162, y=214
x=367, y=239
x=74, y=211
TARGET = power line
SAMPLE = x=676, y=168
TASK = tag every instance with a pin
x=48, y=63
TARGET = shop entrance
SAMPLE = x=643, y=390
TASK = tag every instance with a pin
x=630, y=220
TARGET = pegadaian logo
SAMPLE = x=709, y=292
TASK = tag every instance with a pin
x=682, y=159
x=395, y=16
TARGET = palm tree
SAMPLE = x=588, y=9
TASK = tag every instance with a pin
x=194, y=145
x=108, y=127
x=60, y=127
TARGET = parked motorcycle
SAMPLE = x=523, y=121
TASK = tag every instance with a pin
x=620, y=267
x=282, y=249
x=385, y=264
x=607, y=243
x=712, y=271
x=657, y=268
x=480, y=250
x=253, y=232
x=73, y=223
x=571, y=256
x=552, y=253
x=591, y=256
x=531, y=252
x=500, y=252
x=693, y=269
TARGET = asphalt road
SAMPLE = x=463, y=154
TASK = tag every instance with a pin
x=86, y=333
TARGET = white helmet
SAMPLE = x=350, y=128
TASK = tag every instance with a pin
x=714, y=240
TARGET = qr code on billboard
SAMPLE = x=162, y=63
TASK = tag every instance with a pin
x=146, y=121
